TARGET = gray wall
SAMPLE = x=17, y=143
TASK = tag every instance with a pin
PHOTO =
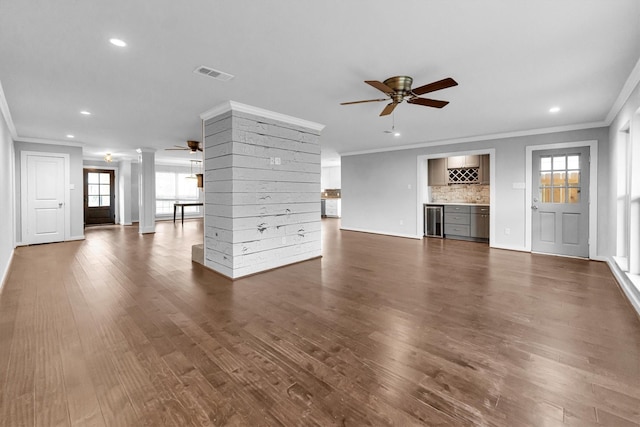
x=379, y=189
x=7, y=223
x=76, y=209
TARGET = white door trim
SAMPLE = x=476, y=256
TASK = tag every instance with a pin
x=24, y=197
x=593, y=190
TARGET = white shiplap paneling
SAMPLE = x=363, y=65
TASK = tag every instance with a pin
x=262, y=193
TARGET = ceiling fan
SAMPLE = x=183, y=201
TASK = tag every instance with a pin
x=192, y=146
x=398, y=89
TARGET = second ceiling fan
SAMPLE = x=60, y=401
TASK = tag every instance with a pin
x=398, y=89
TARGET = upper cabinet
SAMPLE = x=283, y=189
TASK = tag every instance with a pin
x=470, y=170
x=484, y=175
x=459, y=162
x=438, y=172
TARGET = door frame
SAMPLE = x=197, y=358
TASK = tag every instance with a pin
x=115, y=186
x=593, y=190
x=24, y=214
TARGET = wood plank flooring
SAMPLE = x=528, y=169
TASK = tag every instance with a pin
x=123, y=330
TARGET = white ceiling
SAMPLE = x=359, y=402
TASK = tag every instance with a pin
x=513, y=60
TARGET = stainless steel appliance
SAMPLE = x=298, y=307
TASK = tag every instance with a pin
x=434, y=220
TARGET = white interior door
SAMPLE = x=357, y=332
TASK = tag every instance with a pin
x=45, y=210
x=560, y=202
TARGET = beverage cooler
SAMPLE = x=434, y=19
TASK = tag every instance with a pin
x=434, y=221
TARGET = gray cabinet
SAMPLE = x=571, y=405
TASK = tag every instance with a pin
x=480, y=222
x=466, y=222
x=457, y=221
x=438, y=174
x=484, y=173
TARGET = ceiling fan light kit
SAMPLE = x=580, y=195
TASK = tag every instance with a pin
x=398, y=89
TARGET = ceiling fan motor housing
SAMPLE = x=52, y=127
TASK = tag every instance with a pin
x=401, y=86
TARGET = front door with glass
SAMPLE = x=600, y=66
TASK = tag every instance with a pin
x=99, y=197
x=560, y=202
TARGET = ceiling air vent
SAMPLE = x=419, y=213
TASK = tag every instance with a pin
x=218, y=75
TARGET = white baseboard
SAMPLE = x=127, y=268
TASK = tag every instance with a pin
x=81, y=237
x=147, y=230
x=630, y=290
x=361, y=230
x=5, y=273
x=509, y=248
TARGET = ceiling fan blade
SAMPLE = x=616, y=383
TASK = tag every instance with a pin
x=388, y=109
x=199, y=149
x=435, y=103
x=432, y=87
x=360, y=102
x=176, y=149
x=380, y=86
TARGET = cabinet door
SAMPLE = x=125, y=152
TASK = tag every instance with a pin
x=438, y=172
x=480, y=226
x=472, y=161
x=455, y=162
x=331, y=207
x=485, y=169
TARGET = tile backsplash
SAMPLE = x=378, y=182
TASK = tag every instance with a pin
x=460, y=193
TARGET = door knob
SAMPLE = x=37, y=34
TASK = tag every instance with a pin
x=534, y=207
x=60, y=204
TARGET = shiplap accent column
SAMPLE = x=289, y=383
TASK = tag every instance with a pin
x=147, y=190
x=262, y=189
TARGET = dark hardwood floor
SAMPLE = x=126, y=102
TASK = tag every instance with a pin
x=123, y=330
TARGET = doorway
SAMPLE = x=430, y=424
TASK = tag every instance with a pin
x=560, y=202
x=99, y=196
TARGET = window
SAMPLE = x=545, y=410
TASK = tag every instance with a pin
x=623, y=156
x=98, y=189
x=560, y=179
x=176, y=186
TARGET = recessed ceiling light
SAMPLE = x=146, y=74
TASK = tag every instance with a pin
x=396, y=134
x=85, y=113
x=554, y=109
x=70, y=136
x=117, y=42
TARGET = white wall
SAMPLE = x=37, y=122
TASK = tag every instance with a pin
x=379, y=189
x=7, y=222
x=330, y=177
x=76, y=208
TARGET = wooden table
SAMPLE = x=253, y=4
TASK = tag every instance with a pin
x=182, y=205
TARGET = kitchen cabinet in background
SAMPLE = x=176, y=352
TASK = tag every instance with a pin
x=438, y=174
x=466, y=222
x=458, y=162
x=479, y=223
x=484, y=173
x=332, y=207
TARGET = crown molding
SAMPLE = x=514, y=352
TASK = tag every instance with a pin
x=4, y=107
x=49, y=142
x=478, y=138
x=623, y=96
x=243, y=108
